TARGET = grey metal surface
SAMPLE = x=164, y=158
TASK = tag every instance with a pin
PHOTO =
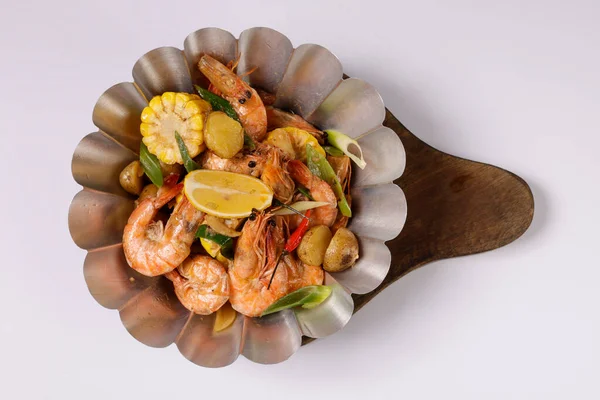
x=117, y=113
x=353, y=108
x=162, y=70
x=98, y=161
x=370, y=269
x=379, y=212
x=109, y=278
x=97, y=219
x=268, y=53
x=328, y=317
x=385, y=156
x=313, y=73
x=273, y=338
x=202, y=346
x=155, y=316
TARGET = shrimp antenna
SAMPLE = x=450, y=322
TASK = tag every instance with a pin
x=292, y=209
x=275, y=270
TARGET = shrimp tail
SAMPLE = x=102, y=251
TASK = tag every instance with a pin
x=166, y=194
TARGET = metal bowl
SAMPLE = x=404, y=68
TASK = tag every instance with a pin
x=307, y=80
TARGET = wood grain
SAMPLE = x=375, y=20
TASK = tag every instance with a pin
x=456, y=207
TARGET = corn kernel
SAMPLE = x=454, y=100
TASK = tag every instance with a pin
x=194, y=107
x=156, y=105
x=196, y=122
x=168, y=101
x=181, y=100
x=145, y=129
x=149, y=116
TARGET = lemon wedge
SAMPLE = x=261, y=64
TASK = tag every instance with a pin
x=225, y=317
x=293, y=141
x=226, y=194
x=214, y=250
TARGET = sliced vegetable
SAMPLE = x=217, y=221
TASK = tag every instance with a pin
x=226, y=243
x=333, y=151
x=343, y=143
x=217, y=102
x=223, y=135
x=307, y=297
x=218, y=225
x=151, y=165
x=169, y=112
x=319, y=166
x=299, y=206
x=189, y=164
x=225, y=317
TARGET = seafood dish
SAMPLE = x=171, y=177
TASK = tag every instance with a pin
x=242, y=206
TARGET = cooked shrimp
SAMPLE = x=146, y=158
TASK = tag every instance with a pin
x=256, y=257
x=243, y=98
x=304, y=274
x=201, y=284
x=277, y=118
x=267, y=98
x=319, y=190
x=151, y=249
x=275, y=175
x=247, y=164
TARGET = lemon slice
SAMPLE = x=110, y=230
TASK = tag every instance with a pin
x=226, y=194
x=293, y=141
x=225, y=317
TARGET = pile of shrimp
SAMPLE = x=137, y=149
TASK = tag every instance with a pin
x=261, y=271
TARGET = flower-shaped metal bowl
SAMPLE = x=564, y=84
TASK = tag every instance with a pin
x=307, y=80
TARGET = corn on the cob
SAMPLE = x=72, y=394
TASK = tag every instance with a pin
x=170, y=112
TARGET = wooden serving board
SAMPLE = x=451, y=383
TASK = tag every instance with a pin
x=456, y=207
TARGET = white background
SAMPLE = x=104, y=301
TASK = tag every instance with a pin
x=513, y=83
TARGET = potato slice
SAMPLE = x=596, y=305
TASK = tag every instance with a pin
x=223, y=135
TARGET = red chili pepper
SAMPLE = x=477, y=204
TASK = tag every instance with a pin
x=296, y=237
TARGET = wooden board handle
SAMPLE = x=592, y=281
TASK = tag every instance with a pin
x=456, y=207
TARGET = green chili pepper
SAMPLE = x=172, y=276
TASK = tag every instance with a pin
x=151, y=165
x=248, y=142
x=319, y=166
x=226, y=243
x=307, y=297
x=305, y=192
x=333, y=151
x=189, y=164
x=217, y=102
